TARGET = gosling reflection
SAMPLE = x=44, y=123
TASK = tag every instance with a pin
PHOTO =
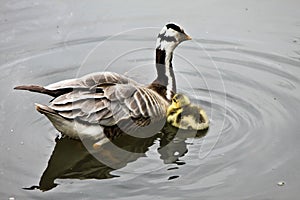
x=173, y=143
x=72, y=160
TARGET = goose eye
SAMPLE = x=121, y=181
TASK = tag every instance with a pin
x=174, y=100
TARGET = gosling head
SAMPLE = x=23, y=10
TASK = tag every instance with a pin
x=170, y=37
x=180, y=100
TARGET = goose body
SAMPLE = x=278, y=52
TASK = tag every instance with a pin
x=184, y=115
x=100, y=106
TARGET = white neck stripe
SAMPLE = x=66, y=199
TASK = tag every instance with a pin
x=169, y=76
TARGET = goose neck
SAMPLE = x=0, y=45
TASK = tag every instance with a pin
x=165, y=74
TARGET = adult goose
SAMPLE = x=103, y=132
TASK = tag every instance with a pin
x=100, y=106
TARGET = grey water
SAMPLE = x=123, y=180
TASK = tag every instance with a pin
x=242, y=67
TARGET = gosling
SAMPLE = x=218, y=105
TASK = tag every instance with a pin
x=184, y=115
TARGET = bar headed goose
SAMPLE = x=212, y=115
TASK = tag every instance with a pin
x=100, y=106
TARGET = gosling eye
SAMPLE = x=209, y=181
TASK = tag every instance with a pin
x=174, y=100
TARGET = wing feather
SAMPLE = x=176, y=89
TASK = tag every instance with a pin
x=107, y=98
x=92, y=80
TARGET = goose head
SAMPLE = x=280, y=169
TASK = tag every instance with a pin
x=170, y=37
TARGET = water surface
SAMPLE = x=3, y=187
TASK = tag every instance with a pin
x=242, y=67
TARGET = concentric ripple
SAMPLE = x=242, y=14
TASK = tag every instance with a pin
x=250, y=97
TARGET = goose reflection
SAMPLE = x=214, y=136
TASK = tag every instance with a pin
x=71, y=159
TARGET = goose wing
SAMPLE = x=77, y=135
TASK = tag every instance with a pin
x=109, y=102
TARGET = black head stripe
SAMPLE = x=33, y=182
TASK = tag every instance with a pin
x=166, y=38
x=175, y=27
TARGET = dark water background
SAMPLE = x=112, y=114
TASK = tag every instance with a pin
x=243, y=67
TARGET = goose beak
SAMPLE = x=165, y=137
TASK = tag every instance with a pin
x=188, y=37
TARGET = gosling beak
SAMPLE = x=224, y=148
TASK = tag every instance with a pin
x=188, y=37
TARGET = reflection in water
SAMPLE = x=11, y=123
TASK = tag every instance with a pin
x=72, y=160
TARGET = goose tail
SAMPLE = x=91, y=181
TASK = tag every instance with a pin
x=44, y=109
x=40, y=89
x=61, y=124
x=51, y=114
